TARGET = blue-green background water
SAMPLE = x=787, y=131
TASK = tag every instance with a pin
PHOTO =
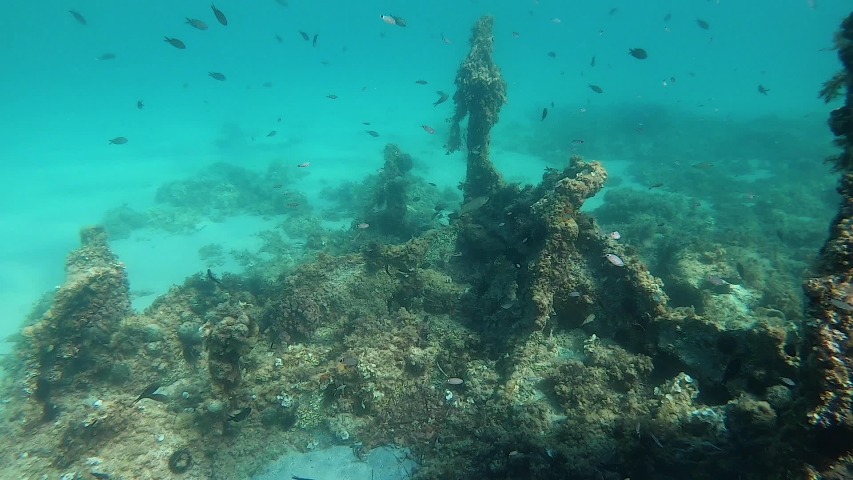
x=61, y=105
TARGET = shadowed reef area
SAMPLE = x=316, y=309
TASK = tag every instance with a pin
x=512, y=338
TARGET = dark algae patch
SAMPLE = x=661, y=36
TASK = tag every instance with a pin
x=180, y=461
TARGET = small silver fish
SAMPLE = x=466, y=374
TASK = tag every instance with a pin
x=575, y=294
x=615, y=260
x=715, y=280
x=589, y=319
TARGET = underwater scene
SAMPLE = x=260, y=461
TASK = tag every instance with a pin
x=392, y=240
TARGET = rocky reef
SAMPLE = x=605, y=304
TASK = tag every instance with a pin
x=515, y=340
x=841, y=119
x=480, y=95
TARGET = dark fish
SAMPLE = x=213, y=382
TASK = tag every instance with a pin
x=638, y=53
x=304, y=36
x=544, y=113
x=657, y=185
x=421, y=82
x=159, y=397
x=592, y=63
x=175, y=43
x=333, y=97
x=102, y=476
x=443, y=98
x=219, y=15
x=613, y=11
x=314, y=42
x=434, y=185
x=241, y=415
x=278, y=37
x=271, y=134
x=365, y=123
x=196, y=23
x=740, y=270
x=217, y=76
x=148, y=392
x=267, y=84
x=552, y=104
x=118, y=141
x=398, y=21
x=667, y=17
x=294, y=477
x=80, y=19
x=595, y=88
x=702, y=165
x=107, y=56
x=283, y=3
x=702, y=24
x=212, y=277
x=140, y=105
x=762, y=89
x=552, y=54
x=372, y=133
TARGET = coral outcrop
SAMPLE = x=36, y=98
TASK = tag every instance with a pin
x=841, y=119
x=72, y=341
x=480, y=94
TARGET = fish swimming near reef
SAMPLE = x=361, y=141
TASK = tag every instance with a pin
x=615, y=260
x=441, y=99
x=241, y=415
x=472, y=206
x=212, y=277
x=149, y=393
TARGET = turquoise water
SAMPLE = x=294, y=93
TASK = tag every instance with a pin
x=694, y=100
x=61, y=104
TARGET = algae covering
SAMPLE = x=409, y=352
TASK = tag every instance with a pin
x=517, y=341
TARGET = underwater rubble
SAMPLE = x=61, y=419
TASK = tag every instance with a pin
x=517, y=341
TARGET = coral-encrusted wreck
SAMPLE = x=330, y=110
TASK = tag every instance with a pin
x=519, y=341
